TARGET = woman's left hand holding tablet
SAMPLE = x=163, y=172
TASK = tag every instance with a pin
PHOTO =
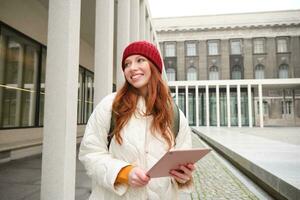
x=137, y=177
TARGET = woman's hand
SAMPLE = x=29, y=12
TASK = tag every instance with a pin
x=137, y=177
x=184, y=173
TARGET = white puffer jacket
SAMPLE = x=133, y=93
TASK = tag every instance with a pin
x=140, y=148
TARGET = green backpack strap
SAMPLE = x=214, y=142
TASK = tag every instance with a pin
x=110, y=134
x=176, y=121
x=175, y=127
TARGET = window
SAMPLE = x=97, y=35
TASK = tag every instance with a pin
x=235, y=47
x=22, y=88
x=283, y=71
x=191, y=49
x=20, y=58
x=169, y=50
x=259, y=46
x=236, y=72
x=259, y=71
x=171, y=74
x=286, y=107
x=192, y=74
x=282, y=45
x=213, y=73
x=213, y=48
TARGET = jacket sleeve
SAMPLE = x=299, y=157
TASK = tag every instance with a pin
x=93, y=152
x=184, y=141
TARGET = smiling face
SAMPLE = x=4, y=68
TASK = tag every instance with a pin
x=137, y=72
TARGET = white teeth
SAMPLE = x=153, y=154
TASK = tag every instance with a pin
x=136, y=76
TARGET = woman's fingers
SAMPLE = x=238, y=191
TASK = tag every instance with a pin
x=137, y=177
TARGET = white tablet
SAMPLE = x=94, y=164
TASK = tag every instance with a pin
x=172, y=159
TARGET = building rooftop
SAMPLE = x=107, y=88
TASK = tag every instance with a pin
x=225, y=21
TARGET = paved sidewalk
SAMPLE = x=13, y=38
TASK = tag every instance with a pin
x=213, y=180
x=20, y=180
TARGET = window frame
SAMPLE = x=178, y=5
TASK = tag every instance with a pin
x=217, y=42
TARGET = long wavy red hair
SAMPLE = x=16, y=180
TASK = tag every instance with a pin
x=159, y=104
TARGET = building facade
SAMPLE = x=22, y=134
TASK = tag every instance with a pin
x=58, y=59
x=248, y=46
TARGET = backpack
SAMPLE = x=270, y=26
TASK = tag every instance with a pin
x=175, y=127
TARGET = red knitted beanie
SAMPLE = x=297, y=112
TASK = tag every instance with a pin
x=145, y=49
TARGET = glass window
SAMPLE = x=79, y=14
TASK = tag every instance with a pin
x=236, y=72
x=80, y=104
x=192, y=74
x=42, y=87
x=259, y=72
x=88, y=94
x=191, y=49
x=286, y=107
x=282, y=45
x=236, y=47
x=171, y=74
x=283, y=71
x=213, y=48
x=213, y=73
x=259, y=46
x=18, y=64
x=169, y=50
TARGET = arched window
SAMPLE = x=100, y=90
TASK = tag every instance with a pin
x=259, y=71
x=236, y=72
x=171, y=74
x=284, y=71
x=191, y=74
x=213, y=73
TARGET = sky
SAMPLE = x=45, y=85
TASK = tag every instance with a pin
x=173, y=8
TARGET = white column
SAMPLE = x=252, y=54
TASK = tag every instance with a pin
x=228, y=106
x=123, y=37
x=147, y=31
x=207, y=104
x=218, y=105
x=261, y=113
x=134, y=20
x=176, y=91
x=197, y=106
x=151, y=34
x=142, y=19
x=238, y=88
x=104, y=33
x=250, y=105
x=59, y=133
x=187, y=102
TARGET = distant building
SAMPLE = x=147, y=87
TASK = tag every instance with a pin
x=262, y=45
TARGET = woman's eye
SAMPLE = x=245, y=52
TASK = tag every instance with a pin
x=141, y=60
x=126, y=65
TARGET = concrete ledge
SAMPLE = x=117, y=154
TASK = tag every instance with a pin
x=274, y=185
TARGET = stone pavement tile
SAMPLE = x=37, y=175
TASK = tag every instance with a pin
x=214, y=181
x=25, y=176
x=13, y=191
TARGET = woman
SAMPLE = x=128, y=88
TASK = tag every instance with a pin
x=143, y=116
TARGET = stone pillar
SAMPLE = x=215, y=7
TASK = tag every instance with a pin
x=218, y=104
x=207, y=104
x=224, y=70
x=134, y=20
x=142, y=19
x=248, y=59
x=180, y=61
x=228, y=105
x=104, y=31
x=60, y=123
x=271, y=69
x=295, y=58
x=203, y=74
x=123, y=37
